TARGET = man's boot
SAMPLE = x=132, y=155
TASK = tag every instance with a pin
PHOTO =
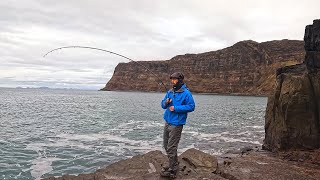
x=168, y=173
x=174, y=170
x=165, y=172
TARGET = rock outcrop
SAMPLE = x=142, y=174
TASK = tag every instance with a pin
x=247, y=67
x=195, y=164
x=265, y=165
x=293, y=110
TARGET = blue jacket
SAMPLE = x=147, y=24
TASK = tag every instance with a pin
x=183, y=103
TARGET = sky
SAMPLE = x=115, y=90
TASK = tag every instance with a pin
x=139, y=29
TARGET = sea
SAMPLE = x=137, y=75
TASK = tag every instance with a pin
x=46, y=132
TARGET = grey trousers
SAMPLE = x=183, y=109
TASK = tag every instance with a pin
x=171, y=138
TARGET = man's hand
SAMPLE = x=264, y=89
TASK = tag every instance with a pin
x=168, y=101
x=171, y=108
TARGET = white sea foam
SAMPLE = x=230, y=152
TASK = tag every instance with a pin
x=243, y=140
x=41, y=166
x=206, y=136
x=59, y=143
x=242, y=133
x=215, y=152
x=230, y=139
x=145, y=125
x=118, y=147
x=126, y=124
x=124, y=128
x=35, y=146
x=256, y=127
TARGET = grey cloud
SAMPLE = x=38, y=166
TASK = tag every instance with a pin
x=140, y=29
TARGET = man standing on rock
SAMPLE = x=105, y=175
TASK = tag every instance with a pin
x=177, y=102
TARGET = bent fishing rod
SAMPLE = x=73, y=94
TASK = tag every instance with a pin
x=99, y=49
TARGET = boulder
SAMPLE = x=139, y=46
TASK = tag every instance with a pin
x=194, y=164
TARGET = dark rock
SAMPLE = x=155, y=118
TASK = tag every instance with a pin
x=227, y=162
x=245, y=150
x=312, y=36
x=312, y=45
x=312, y=59
x=294, y=69
x=293, y=111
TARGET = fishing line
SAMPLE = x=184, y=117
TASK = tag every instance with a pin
x=99, y=49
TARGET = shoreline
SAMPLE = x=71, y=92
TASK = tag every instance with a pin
x=198, y=93
x=248, y=163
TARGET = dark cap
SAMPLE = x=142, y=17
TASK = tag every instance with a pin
x=177, y=75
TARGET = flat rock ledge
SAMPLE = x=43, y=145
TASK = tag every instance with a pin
x=248, y=163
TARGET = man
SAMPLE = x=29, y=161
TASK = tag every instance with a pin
x=178, y=102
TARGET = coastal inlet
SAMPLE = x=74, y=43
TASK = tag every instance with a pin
x=54, y=132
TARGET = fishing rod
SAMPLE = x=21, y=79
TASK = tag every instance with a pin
x=99, y=49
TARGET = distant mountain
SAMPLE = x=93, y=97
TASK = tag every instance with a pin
x=247, y=67
x=44, y=87
x=32, y=87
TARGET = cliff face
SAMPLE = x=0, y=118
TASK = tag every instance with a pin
x=293, y=110
x=247, y=67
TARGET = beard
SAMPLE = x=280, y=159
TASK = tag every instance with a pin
x=177, y=86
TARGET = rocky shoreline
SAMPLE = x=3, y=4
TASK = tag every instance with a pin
x=249, y=163
x=291, y=144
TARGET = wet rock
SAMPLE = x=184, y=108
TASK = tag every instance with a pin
x=265, y=165
x=227, y=162
x=194, y=164
x=245, y=150
x=309, y=156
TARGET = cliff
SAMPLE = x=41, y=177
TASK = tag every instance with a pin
x=247, y=67
x=293, y=110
